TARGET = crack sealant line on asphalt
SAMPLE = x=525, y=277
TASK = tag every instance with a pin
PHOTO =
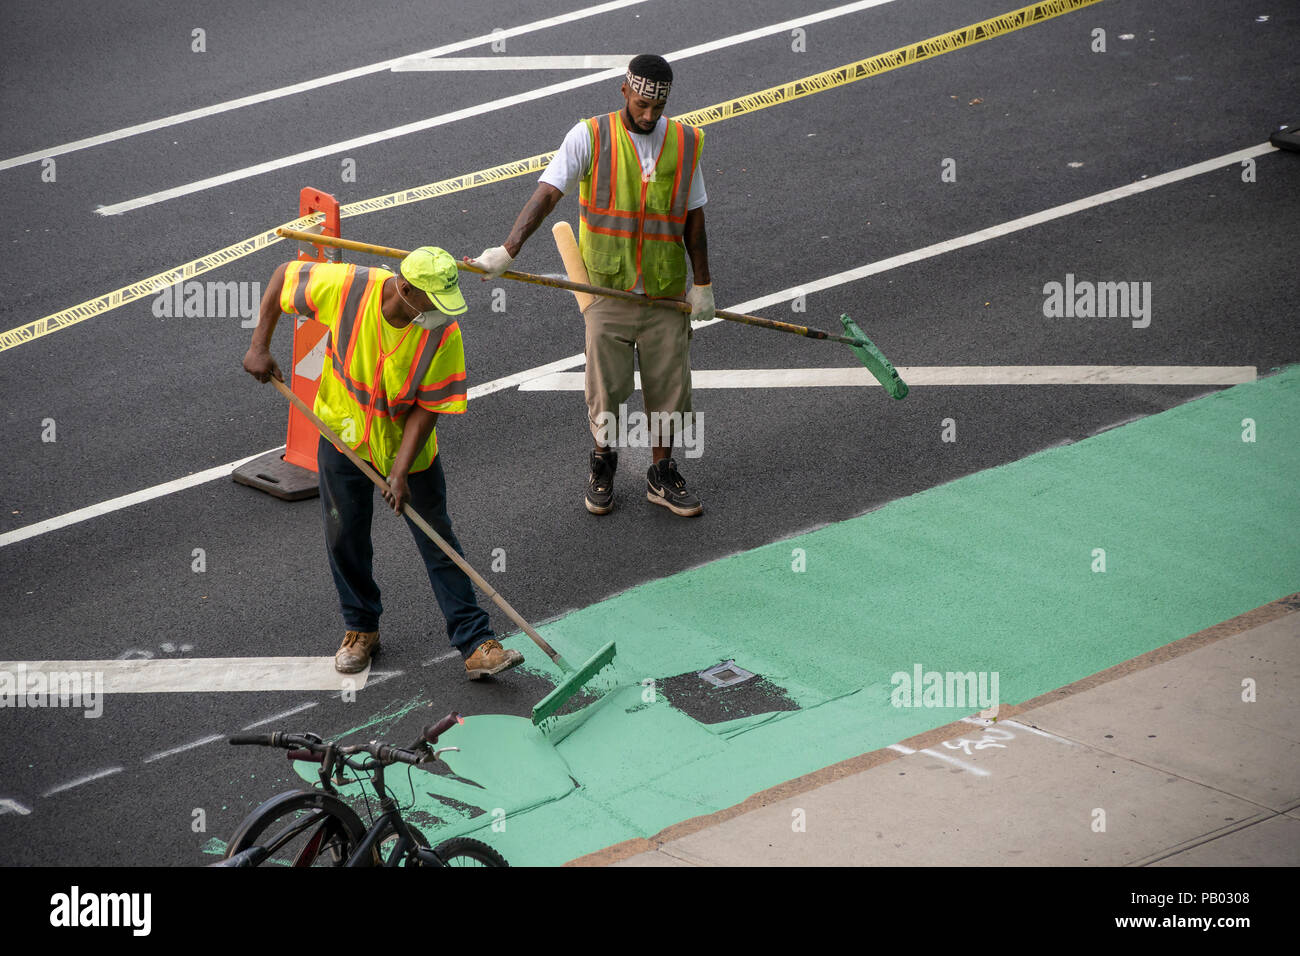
x=983, y=543
x=795, y=89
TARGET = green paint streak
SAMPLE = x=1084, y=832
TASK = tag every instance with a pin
x=989, y=573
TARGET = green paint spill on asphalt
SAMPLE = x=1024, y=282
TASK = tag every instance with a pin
x=993, y=572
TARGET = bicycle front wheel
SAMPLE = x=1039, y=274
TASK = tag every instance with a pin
x=462, y=851
x=300, y=828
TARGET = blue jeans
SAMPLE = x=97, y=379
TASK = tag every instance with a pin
x=347, y=501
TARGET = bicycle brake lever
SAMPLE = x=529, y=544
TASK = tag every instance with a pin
x=443, y=750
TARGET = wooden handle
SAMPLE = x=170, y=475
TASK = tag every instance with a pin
x=575, y=287
x=411, y=513
x=573, y=264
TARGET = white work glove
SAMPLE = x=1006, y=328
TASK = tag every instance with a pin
x=701, y=299
x=494, y=261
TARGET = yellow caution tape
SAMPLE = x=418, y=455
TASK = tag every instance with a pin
x=750, y=103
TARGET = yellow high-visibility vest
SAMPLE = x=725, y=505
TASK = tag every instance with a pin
x=632, y=225
x=375, y=374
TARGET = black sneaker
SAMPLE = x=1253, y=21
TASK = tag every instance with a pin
x=664, y=486
x=600, y=483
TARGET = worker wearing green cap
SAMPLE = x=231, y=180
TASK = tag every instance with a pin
x=393, y=363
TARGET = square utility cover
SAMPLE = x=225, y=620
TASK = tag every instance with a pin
x=723, y=692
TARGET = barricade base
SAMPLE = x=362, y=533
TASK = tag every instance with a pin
x=272, y=474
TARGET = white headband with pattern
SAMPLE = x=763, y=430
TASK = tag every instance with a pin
x=650, y=89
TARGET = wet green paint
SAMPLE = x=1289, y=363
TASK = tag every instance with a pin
x=993, y=572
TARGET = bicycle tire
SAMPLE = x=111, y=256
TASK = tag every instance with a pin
x=301, y=828
x=464, y=851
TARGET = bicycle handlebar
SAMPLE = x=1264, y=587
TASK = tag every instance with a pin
x=311, y=748
x=433, y=732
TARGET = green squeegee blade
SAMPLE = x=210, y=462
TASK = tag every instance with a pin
x=875, y=360
x=571, y=684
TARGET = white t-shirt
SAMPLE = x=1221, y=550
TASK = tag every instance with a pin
x=572, y=161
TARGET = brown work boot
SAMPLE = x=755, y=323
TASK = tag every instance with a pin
x=490, y=658
x=355, y=651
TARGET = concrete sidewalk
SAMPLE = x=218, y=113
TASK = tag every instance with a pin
x=1157, y=761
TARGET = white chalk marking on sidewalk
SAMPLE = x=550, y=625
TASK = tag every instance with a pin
x=80, y=780
x=378, y=677
x=969, y=768
x=442, y=119
x=750, y=305
x=288, y=713
x=124, y=501
x=203, y=674
x=434, y=64
x=184, y=747
x=9, y=805
x=935, y=375
x=306, y=85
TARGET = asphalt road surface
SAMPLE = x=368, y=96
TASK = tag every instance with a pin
x=798, y=191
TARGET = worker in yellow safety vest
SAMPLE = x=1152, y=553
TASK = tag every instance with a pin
x=642, y=200
x=394, y=362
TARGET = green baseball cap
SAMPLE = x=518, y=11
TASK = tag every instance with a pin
x=433, y=271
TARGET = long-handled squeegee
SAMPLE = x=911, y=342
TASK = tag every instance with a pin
x=574, y=677
x=863, y=348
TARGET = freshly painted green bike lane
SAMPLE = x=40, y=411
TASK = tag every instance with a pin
x=996, y=572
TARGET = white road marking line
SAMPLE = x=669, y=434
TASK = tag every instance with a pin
x=306, y=85
x=184, y=747
x=80, y=780
x=381, y=676
x=935, y=375
x=224, y=471
x=9, y=805
x=288, y=713
x=751, y=305
x=359, y=142
x=441, y=657
x=901, y=749
x=1006, y=228
x=202, y=674
x=969, y=768
x=594, y=61
x=124, y=501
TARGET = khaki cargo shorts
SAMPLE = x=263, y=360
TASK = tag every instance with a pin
x=661, y=340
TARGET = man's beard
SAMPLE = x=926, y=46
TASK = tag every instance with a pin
x=634, y=125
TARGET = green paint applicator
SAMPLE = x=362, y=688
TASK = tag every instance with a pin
x=874, y=360
x=573, y=682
